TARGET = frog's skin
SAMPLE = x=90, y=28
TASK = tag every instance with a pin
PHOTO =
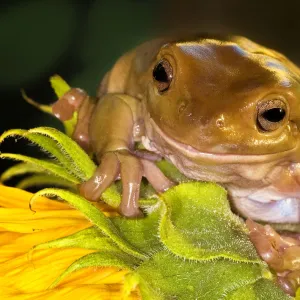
x=225, y=110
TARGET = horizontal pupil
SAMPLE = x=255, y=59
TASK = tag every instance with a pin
x=274, y=114
x=160, y=73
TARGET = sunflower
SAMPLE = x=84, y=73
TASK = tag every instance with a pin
x=27, y=274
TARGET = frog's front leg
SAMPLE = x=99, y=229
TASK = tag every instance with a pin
x=115, y=125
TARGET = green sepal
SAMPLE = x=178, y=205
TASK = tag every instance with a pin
x=172, y=172
x=111, y=196
x=197, y=224
x=44, y=108
x=43, y=181
x=60, y=87
x=94, y=215
x=90, y=238
x=18, y=170
x=131, y=282
x=45, y=166
x=45, y=143
x=81, y=161
x=177, y=278
x=67, y=152
x=117, y=259
x=262, y=289
x=141, y=233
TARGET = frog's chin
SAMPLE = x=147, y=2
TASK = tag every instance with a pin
x=219, y=158
x=281, y=211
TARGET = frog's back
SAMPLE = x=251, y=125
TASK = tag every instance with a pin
x=128, y=73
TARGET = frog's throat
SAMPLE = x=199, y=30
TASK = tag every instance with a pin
x=220, y=158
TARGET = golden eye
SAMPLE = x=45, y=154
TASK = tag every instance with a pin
x=271, y=114
x=163, y=75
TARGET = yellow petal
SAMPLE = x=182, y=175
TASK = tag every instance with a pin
x=7, y=237
x=34, y=274
x=24, y=242
x=26, y=274
x=25, y=221
x=16, y=198
x=95, y=292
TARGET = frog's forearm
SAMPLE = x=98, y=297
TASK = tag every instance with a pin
x=112, y=124
x=111, y=132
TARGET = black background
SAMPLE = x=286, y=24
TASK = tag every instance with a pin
x=80, y=40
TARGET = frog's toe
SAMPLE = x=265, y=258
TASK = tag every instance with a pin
x=66, y=105
x=105, y=174
x=156, y=177
x=131, y=174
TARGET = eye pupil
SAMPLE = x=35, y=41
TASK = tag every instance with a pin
x=160, y=74
x=163, y=75
x=274, y=114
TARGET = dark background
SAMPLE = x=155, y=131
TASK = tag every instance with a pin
x=80, y=40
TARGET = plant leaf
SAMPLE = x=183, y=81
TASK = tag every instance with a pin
x=117, y=259
x=197, y=224
x=44, y=165
x=94, y=215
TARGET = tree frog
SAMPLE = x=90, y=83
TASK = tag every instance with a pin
x=220, y=108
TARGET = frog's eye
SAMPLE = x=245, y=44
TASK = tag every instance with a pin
x=163, y=75
x=271, y=114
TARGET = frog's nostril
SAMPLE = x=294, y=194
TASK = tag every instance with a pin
x=182, y=107
x=220, y=122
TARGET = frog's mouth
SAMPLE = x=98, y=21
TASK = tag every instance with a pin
x=219, y=158
x=287, y=210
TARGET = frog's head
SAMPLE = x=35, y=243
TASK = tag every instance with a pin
x=225, y=97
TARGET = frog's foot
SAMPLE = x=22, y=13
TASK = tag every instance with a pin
x=66, y=105
x=280, y=252
x=155, y=176
x=105, y=174
x=76, y=100
x=130, y=169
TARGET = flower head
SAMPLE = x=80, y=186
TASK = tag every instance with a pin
x=27, y=273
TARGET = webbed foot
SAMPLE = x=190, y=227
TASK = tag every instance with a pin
x=280, y=252
x=130, y=169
